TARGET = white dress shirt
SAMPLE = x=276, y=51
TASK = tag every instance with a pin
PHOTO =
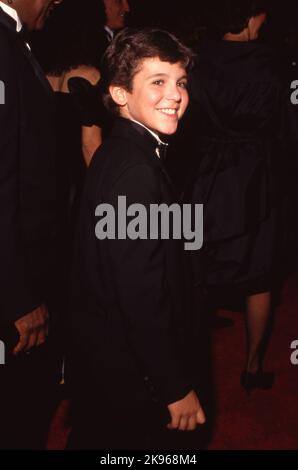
x=156, y=136
x=13, y=14
x=110, y=33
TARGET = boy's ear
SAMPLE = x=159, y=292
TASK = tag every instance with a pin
x=119, y=94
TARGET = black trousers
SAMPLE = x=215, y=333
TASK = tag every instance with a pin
x=124, y=429
x=120, y=415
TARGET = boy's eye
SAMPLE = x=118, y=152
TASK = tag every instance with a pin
x=182, y=84
x=158, y=82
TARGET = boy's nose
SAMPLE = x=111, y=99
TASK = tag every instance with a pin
x=174, y=93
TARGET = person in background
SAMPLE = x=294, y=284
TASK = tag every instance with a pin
x=68, y=51
x=116, y=12
x=239, y=176
x=29, y=231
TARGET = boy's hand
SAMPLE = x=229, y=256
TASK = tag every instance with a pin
x=187, y=413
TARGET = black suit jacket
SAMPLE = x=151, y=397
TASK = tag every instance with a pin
x=128, y=313
x=27, y=178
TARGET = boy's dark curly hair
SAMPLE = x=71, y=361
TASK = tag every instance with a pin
x=124, y=57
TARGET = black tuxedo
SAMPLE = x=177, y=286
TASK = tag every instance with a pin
x=27, y=178
x=128, y=315
x=27, y=221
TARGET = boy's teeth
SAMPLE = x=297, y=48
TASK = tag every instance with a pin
x=168, y=111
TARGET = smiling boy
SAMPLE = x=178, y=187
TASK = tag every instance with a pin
x=158, y=98
x=129, y=351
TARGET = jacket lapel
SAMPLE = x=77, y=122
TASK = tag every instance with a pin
x=36, y=67
x=7, y=21
x=10, y=24
x=130, y=130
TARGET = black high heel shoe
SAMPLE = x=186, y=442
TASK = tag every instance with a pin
x=260, y=379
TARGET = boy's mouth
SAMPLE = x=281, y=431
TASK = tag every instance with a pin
x=168, y=111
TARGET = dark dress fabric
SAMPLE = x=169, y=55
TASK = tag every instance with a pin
x=81, y=107
x=240, y=176
x=70, y=158
x=72, y=111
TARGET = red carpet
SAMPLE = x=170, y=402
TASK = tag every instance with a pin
x=267, y=419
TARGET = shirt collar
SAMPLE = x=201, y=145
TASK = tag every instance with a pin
x=110, y=32
x=156, y=136
x=161, y=144
x=13, y=14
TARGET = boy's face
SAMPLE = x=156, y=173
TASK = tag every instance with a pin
x=159, y=96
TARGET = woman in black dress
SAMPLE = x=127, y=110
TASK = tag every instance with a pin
x=239, y=97
x=69, y=50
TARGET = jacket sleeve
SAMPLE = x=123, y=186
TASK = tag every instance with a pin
x=17, y=290
x=139, y=271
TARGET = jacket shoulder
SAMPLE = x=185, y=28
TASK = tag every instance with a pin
x=7, y=51
x=6, y=38
x=121, y=162
x=118, y=154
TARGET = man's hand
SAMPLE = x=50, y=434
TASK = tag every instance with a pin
x=32, y=328
x=186, y=414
